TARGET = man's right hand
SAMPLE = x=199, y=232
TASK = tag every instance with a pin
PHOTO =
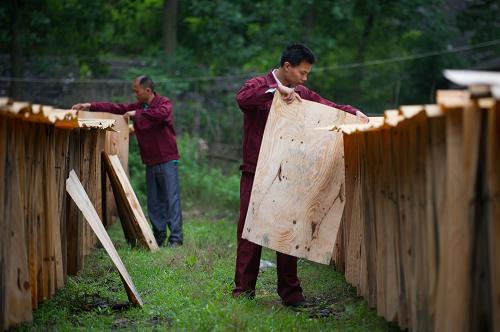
x=288, y=94
x=81, y=107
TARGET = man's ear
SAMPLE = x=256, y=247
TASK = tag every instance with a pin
x=287, y=65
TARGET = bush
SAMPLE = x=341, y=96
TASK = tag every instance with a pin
x=203, y=187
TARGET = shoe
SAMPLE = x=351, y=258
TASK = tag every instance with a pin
x=296, y=305
x=174, y=244
x=249, y=295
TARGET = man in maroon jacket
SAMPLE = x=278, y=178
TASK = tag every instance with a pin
x=255, y=99
x=154, y=128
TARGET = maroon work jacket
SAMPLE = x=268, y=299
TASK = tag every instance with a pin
x=153, y=126
x=255, y=102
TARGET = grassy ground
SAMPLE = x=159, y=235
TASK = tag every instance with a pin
x=188, y=288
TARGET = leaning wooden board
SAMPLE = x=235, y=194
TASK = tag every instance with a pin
x=134, y=222
x=79, y=196
x=298, y=194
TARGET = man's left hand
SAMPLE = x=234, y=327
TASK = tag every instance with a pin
x=130, y=114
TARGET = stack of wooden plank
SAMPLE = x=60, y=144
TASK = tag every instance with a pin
x=420, y=234
x=43, y=237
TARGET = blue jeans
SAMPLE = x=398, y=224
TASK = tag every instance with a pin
x=164, y=201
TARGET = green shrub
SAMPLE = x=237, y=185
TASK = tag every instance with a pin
x=203, y=187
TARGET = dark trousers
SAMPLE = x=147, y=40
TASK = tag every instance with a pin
x=164, y=201
x=248, y=258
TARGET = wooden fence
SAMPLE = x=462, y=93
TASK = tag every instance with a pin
x=420, y=234
x=43, y=237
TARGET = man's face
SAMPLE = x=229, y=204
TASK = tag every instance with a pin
x=297, y=75
x=141, y=94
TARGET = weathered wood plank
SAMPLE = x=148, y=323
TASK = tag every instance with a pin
x=17, y=282
x=79, y=196
x=136, y=226
x=116, y=142
x=435, y=207
x=493, y=208
x=298, y=193
x=453, y=309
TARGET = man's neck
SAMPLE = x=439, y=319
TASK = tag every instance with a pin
x=280, y=74
x=150, y=99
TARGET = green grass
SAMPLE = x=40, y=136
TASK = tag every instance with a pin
x=188, y=288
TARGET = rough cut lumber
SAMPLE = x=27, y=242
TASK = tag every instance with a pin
x=117, y=142
x=493, y=206
x=79, y=196
x=14, y=276
x=44, y=235
x=135, y=225
x=298, y=194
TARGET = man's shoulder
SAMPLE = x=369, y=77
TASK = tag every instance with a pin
x=259, y=80
x=162, y=99
x=302, y=89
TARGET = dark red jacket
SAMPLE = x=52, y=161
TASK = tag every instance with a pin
x=255, y=103
x=153, y=125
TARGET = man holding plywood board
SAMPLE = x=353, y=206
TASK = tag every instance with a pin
x=255, y=99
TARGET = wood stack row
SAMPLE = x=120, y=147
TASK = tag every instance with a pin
x=420, y=234
x=43, y=237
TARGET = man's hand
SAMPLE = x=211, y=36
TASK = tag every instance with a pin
x=130, y=114
x=288, y=94
x=362, y=117
x=81, y=107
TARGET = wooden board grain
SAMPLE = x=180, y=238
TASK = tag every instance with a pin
x=452, y=307
x=116, y=142
x=79, y=196
x=17, y=279
x=135, y=224
x=493, y=208
x=298, y=194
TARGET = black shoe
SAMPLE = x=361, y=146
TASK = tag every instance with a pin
x=296, y=305
x=174, y=244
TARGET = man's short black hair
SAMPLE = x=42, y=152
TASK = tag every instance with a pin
x=297, y=53
x=146, y=82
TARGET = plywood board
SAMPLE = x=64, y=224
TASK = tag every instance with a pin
x=298, y=193
x=79, y=196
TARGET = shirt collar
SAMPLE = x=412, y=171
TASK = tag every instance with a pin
x=275, y=77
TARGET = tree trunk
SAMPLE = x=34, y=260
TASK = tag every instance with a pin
x=169, y=26
x=16, y=51
x=360, y=55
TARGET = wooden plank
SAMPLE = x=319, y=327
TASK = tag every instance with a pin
x=389, y=218
x=135, y=220
x=493, y=208
x=399, y=147
x=369, y=220
x=352, y=211
x=435, y=207
x=79, y=196
x=453, y=301
x=17, y=282
x=298, y=193
x=3, y=224
x=61, y=171
x=115, y=143
x=73, y=216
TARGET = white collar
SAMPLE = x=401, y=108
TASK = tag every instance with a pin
x=276, y=78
